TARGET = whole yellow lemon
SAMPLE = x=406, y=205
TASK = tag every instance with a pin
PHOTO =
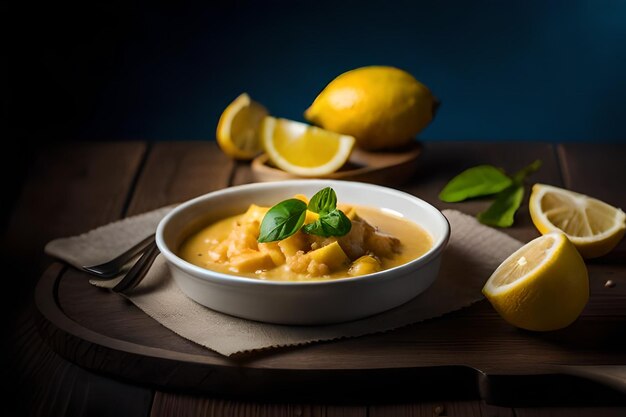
x=382, y=107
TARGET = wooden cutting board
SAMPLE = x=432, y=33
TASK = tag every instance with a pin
x=469, y=353
x=462, y=352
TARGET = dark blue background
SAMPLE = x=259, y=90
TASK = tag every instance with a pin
x=528, y=70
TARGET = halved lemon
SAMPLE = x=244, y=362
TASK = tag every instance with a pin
x=303, y=149
x=542, y=286
x=237, y=129
x=593, y=226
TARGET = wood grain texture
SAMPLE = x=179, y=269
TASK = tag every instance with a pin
x=595, y=169
x=169, y=404
x=177, y=171
x=408, y=360
x=70, y=189
x=440, y=408
x=598, y=171
x=571, y=412
x=51, y=386
x=613, y=375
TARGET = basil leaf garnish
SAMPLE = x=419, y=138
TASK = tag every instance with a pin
x=282, y=220
x=324, y=201
x=335, y=223
x=287, y=217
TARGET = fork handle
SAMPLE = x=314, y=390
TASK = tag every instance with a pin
x=135, y=250
x=138, y=270
x=113, y=267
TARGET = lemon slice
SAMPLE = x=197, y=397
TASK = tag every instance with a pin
x=237, y=129
x=593, y=226
x=542, y=286
x=303, y=149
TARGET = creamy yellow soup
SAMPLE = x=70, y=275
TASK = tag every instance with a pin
x=229, y=246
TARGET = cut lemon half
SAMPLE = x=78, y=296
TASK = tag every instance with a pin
x=593, y=226
x=303, y=149
x=542, y=286
x=237, y=129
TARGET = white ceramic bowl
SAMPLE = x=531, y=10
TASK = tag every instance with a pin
x=316, y=302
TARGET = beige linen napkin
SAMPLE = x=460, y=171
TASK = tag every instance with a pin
x=473, y=253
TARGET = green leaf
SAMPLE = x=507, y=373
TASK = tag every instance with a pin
x=287, y=217
x=334, y=223
x=282, y=220
x=521, y=175
x=475, y=182
x=501, y=213
x=324, y=201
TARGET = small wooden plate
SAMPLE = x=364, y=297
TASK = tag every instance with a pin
x=385, y=168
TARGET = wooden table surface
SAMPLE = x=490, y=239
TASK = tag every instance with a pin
x=72, y=188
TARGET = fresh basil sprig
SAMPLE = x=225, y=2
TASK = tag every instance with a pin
x=333, y=223
x=286, y=218
x=475, y=182
x=501, y=212
x=282, y=220
x=324, y=201
x=486, y=180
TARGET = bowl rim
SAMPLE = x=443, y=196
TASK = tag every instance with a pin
x=229, y=279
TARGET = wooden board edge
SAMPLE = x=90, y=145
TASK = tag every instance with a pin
x=47, y=306
x=174, y=370
x=163, y=369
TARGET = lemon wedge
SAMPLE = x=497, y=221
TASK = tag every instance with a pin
x=542, y=286
x=237, y=129
x=303, y=149
x=593, y=226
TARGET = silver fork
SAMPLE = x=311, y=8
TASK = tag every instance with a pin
x=139, y=270
x=113, y=267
